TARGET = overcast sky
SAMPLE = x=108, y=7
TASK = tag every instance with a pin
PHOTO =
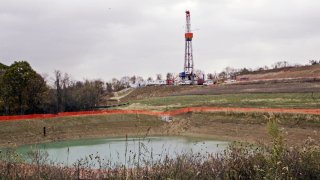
x=113, y=38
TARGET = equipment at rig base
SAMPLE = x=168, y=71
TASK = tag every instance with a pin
x=188, y=73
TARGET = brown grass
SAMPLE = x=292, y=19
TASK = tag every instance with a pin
x=216, y=125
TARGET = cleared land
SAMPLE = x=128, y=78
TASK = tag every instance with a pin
x=276, y=86
x=253, y=100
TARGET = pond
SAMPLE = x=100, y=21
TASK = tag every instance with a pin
x=117, y=151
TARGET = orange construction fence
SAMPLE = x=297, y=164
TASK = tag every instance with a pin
x=158, y=113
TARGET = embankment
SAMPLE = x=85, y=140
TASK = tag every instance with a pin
x=244, y=124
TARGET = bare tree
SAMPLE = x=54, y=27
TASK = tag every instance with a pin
x=169, y=76
x=223, y=75
x=125, y=80
x=58, y=88
x=139, y=79
x=314, y=62
x=117, y=85
x=280, y=64
x=133, y=79
x=231, y=72
x=199, y=73
x=210, y=76
x=159, y=77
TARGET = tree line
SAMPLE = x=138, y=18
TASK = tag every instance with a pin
x=232, y=73
x=24, y=91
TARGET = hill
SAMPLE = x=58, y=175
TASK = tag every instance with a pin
x=283, y=73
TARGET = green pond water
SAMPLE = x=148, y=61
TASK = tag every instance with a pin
x=117, y=151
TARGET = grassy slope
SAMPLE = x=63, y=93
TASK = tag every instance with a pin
x=31, y=131
x=225, y=126
x=251, y=127
x=294, y=72
x=260, y=100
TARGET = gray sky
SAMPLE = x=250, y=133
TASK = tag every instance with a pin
x=113, y=38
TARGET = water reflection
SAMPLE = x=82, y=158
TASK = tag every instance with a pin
x=128, y=151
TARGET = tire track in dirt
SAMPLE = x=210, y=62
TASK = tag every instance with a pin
x=159, y=113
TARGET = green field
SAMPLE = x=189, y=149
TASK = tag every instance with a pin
x=258, y=100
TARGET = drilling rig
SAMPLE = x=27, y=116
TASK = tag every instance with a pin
x=188, y=73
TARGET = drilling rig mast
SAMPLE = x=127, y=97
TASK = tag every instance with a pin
x=188, y=73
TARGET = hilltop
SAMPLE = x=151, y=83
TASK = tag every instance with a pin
x=282, y=73
x=304, y=79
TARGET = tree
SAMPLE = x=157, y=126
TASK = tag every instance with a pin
x=280, y=64
x=22, y=88
x=223, y=75
x=125, y=81
x=139, y=79
x=314, y=62
x=133, y=79
x=169, y=76
x=118, y=85
x=2, y=97
x=210, y=76
x=244, y=71
x=35, y=94
x=159, y=77
x=3, y=68
x=109, y=87
x=67, y=93
x=199, y=73
x=77, y=95
x=58, y=88
x=230, y=72
x=88, y=95
x=265, y=67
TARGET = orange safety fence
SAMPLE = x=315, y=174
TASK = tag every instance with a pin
x=159, y=113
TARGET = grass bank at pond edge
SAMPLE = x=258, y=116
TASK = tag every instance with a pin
x=239, y=161
x=239, y=126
